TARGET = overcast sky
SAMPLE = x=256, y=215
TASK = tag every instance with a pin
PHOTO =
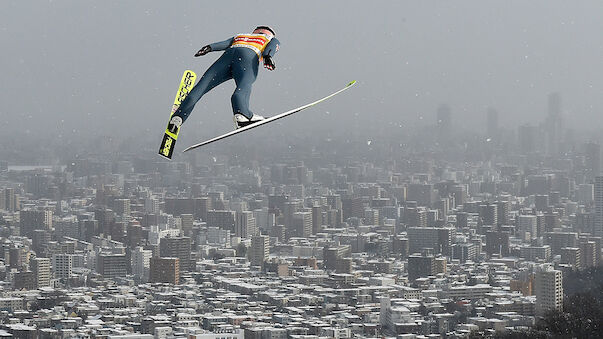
x=96, y=66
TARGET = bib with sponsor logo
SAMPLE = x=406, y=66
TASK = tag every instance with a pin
x=256, y=42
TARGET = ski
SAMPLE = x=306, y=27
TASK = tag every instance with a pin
x=267, y=120
x=171, y=132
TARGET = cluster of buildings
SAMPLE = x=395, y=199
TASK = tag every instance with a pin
x=414, y=246
x=146, y=248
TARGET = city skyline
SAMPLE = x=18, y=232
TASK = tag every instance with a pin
x=455, y=192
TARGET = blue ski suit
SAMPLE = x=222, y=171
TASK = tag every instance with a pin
x=239, y=62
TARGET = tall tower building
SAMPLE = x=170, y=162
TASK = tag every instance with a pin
x=141, y=263
x=302, y=224
x=245, y=226
x=11, y=201
x=62, y=265
x=177, y=247
x=187, y=224
x=260, y=250
x=598, y=229
x=2, y=199
x=502, y=213
x=549, y=290
x=554, y=124
x=528, y=226
x=317, y=219
x=41, y=270
x=592, y=152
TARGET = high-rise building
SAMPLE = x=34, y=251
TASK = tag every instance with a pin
x=177, y=247
x=151, y=205
x=186, y=222
x=371, y=216
x=141, y=263
x=554, y=124
x=415, y=216
x=201, y=206
x=558, y=240
x=62, y=265
x=165, y=270
x=222, y=219
x=571, y=256
x=592, y=152
x=438, y=239
x=88, y=229
x=122, y=207
x=245, y=226
x=41, y=270
x=400, y=247
x=598, y=229
x=317, y=219
x=502, y=213
x=105, y=219
x=301, y=224
x=31, y=220
x=421, y=265
x=111, y=265
x=464, y=251
x=289, y=208
x=260, y=250
x=488, y=213
x=590, y=251
x=549, y=290
x=264, y=219
x=11, y=200
x=39, y=239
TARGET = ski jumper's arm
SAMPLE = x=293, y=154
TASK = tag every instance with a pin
x=271, y=48
x=222, y=45
x=269, y=52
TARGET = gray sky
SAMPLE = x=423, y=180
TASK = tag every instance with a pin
x=96, y=66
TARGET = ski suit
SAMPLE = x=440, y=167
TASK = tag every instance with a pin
x=240, y=61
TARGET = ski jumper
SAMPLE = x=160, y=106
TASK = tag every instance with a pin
x=239, y=62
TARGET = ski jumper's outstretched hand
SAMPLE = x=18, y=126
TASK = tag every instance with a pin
x=204, y=50
x=269, y=63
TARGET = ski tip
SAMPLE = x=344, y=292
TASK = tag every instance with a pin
x=351, y=83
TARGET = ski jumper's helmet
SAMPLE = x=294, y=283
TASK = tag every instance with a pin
x=266, y=28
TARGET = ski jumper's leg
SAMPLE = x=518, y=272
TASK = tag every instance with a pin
x=216, y=74
x=244, y=72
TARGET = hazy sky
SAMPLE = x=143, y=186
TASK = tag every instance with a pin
x=93, y=66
